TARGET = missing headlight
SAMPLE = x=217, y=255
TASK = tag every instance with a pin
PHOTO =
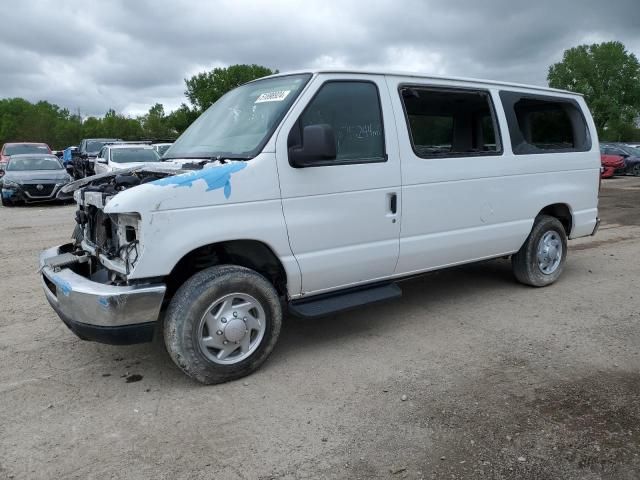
x=129, y=233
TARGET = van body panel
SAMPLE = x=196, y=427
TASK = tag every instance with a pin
x=338, y=218
x=332, y=226
x=460, y=209
x=178, y=218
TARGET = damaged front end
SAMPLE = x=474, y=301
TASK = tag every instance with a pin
x=86, y=281
x=94, y=283
x=112, y=239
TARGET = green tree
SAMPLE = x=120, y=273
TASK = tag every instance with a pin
x=91, y=128
x=180, y=119
x=14, y=114
x=205, y=88
x=609, y=78
x=155, y=123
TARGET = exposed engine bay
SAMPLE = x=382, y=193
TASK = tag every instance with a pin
x=112, y=240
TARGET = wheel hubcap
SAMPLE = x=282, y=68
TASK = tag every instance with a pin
x=232, y=328
x=549, y=253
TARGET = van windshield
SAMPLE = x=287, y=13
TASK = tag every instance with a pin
x=241, y=121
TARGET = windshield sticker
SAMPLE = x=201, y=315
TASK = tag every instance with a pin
x=215, y=178
x=278, y=96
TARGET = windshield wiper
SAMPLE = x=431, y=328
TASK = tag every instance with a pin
x=209, y=158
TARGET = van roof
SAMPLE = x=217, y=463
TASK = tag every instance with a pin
x=474, y=81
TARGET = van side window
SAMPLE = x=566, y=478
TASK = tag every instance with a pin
x=542, y=124
x=450, y=123
x=352, y=109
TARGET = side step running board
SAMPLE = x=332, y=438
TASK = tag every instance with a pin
x=328, y=304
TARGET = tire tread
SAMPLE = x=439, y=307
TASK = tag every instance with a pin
x=184, y=313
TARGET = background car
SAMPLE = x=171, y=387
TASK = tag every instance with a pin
x=20, y=148
x=631, y=157
x=88, y=151
x=32, y=178
x=161, y=147
x=118, y=156
x=69, y=154
x=610, y=163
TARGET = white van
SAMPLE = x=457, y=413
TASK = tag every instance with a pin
x=316, y=192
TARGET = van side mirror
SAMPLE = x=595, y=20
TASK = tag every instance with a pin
x=101, y=160
x=318, y=145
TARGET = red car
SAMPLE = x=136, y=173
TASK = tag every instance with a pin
x=610, y=163
x=20, y=148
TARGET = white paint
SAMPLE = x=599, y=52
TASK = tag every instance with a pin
x=332, y=227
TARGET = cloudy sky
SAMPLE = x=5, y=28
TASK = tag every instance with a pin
x=128, y=54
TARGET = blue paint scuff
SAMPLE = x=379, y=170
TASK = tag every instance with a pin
x=63, y=285
x=103, y=301
x=215, y=178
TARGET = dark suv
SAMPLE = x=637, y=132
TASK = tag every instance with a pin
x=83, y=166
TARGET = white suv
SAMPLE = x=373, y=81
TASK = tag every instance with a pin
x=317, y=192
x=120, y=156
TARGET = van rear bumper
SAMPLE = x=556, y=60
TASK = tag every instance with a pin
x=585, y=223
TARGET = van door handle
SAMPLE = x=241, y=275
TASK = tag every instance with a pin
x=393, y=203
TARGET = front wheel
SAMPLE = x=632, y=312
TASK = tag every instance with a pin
x=541, y=259
x=6, y=202
x=635, y=171
x=222, y=323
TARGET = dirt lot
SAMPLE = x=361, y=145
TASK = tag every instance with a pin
x=501, y=381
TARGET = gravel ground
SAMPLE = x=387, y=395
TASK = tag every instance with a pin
x=469, y=375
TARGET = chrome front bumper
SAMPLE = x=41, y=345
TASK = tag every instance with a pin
x=85, y=303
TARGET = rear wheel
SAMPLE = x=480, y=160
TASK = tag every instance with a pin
x=540, y=261
x=222, y=324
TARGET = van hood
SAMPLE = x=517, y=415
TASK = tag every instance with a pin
x=155, y=187
x=104, y=178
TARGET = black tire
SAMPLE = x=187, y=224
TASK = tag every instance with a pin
x=635, y=171
x=6, y=203
x=190, y=303
x=525, y=263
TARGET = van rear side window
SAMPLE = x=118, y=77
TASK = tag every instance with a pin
x=450, y=123
x=541, y=124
